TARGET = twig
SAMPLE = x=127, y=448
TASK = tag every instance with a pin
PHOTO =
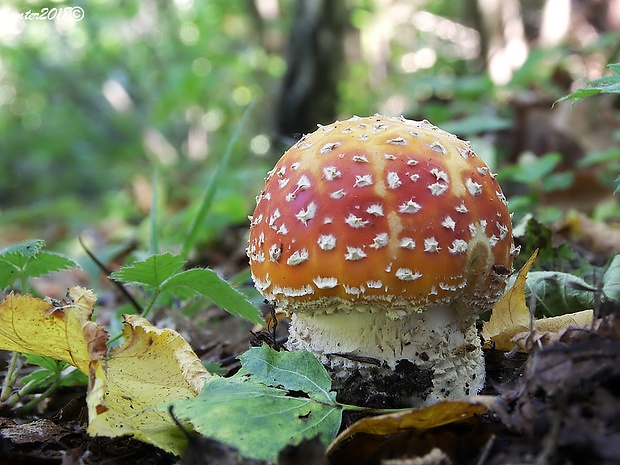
x=486, y=451
x=107, y=272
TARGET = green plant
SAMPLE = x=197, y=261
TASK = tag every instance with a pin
x=48, y=377
x=18, y=264
x=159, y=274
x=21, y=262
x=538, y=177
x=604, y=85
x=162, y=274
x=276, y=399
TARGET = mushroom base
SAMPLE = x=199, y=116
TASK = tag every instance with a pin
x=429, y=356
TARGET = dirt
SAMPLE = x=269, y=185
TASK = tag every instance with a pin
x=386, y=391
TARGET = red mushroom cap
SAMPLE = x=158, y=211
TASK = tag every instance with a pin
x=381, y=210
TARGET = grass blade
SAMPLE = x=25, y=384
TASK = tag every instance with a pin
x=211, y=189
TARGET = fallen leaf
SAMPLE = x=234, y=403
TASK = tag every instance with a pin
x=277, y=399
x=438, y=414
x=152, y=367
x=37, y=431
x=551, y=330
x=34, y=326
x=510, y=315
x=511, y=322
x=596, y=236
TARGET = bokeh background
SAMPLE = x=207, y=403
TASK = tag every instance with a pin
x=93, y=104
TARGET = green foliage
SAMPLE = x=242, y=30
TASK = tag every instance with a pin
x=151, y=272
x=52, y=371
x=562, y=279
x=532, y=234
x=605, y=85
x=609, y=160
x=277, y=399
x=212, y=186
x=26, y=260
x=162, y=273
x=87, y=106
x=537, y=174
x=561, y=293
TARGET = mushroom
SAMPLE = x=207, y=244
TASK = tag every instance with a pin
x=383, y=239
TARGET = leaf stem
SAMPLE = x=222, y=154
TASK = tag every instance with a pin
x=154, y=214
x=371, y=410
x=24, y=391
x=28, y=406
x=11, y=376
x=151, y=303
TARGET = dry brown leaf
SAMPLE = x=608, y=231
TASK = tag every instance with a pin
x=598, y=237
x=438, y=414
x=510, y=315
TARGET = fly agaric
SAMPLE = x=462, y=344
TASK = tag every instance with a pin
x=384, y=239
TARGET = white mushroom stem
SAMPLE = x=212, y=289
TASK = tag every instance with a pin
x=439, y=339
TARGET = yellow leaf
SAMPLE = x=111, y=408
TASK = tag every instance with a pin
x=153, y=366
x=510, y=315
x=510, y=321
x=438, y=414
x=550, y=330
x=34, y=326
x=560, y=322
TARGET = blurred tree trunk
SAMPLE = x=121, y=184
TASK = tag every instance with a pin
x=315, y=59
x=503, y=37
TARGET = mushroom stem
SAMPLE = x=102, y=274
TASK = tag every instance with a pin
x=441, y=343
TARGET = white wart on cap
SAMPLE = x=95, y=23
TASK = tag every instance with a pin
x=384, y=238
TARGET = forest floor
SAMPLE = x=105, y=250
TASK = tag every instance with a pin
x=562, y=406
x=557, y=404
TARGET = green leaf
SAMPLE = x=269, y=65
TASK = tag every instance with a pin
x=579, y=94
x=47, y=363
x=559, y=293
x=215, y=368
x=25, y=249
x=207, y=283
x=259, y=419
x=48, y=262
x=605, y=156
x=476, y=124
x=27, y=259
x=294, y=371
x=8, y=273
x=611, y=279
x=151, y=272
x=537, y=168
x=73, y=377
x=42, y=377
x=52, y=370
x=558, y=181
x=605, y=85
